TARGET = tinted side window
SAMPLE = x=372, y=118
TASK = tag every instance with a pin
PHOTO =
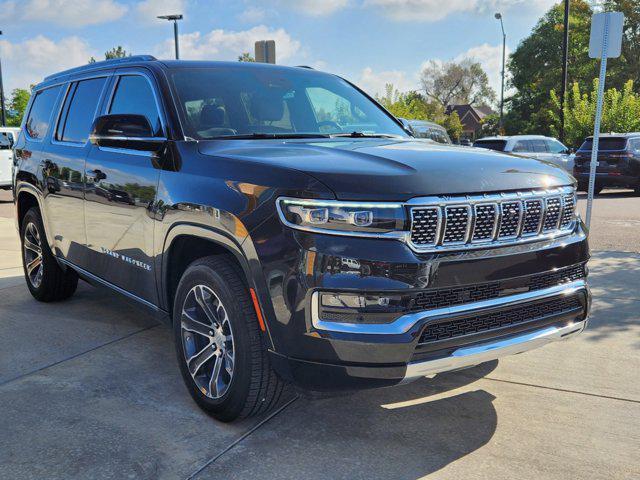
x=83, y=102
x=538, y=146
x=555, y=147
x=522, y=146
x=134, y=95
x=40, y=115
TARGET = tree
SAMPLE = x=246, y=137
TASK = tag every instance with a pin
x=17, y=106
x=414, y=106
x=627, y=66
x=116, y=52
x=620, y=112
x=536, y=67
x=457, y=83
x=246, y=57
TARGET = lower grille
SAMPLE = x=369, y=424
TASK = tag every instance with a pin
x=495, y=320
x=445, y=297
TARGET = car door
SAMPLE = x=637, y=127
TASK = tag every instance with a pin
x=523, y=148
x=559, y=154
x=120, y=192
x=64, y=159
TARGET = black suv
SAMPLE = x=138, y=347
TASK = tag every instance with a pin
x=289, y=229
x=618, y=162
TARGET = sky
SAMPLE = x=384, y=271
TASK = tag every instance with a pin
x=369, y=42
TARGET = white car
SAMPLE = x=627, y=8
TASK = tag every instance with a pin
x=8, y=137
x=534, y=146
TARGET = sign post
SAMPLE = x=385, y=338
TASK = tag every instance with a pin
x=605, y=42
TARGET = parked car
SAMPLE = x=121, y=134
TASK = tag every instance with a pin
x=618, y=162
x=430, y=130
x=534, y=146
x=8, y=136
x=290, y=230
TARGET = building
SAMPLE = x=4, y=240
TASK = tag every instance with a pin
x=471, y=117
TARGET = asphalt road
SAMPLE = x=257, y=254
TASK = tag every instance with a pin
x=615, y=222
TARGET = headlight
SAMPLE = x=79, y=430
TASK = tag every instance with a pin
x=343, y=218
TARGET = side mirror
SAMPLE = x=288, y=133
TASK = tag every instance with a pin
x=132, y=132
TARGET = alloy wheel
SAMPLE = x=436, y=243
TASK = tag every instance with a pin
x=207, y=341
x=33, y=255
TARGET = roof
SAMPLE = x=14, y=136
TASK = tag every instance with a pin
x=613, y=134
x=140, y=60
x=424, y=123
x=516, y=137
x=480, y=111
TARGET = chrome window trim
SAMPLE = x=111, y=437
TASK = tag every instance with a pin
x=406, y=322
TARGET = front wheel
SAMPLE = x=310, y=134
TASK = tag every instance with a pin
x=46, y=280
x=219, y=344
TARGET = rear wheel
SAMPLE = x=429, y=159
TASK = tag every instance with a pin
x=46, y=280
x=219, y=344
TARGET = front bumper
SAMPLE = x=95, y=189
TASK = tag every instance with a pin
x=330, y=355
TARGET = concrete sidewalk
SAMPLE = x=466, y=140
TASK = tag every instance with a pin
x=89, y=388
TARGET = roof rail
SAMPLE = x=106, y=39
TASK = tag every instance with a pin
x=104, y=63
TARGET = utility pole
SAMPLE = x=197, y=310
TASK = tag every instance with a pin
x=565, y=67
x=175, y=19
x=498, y=16
x=4, y=113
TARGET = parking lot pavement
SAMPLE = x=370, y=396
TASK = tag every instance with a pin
x=89, y=388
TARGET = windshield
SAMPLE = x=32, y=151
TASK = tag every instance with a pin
x=497, y=145
x=606, y=143
x=246, y=102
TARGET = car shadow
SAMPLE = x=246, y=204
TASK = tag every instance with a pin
x=402, y=432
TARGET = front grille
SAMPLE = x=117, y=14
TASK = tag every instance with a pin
x=484, y=322
x=446, y=297
x=472, y=222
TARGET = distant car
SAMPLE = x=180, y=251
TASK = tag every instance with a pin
x=8, y=137
x=618, y=162
x=540, y=147
x=430, y=130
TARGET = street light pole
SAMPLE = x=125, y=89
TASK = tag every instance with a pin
x=498, y=16
x=565, y=67
x=175, y=19
x=2, y=107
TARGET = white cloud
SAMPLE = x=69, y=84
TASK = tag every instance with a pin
x=68, y=13
x=490, y=57
x=315, y=7
x=374, y=82
x=227, y=45
x=434, y=10
x=148, y=10
x=252, y=15
x=30, y=61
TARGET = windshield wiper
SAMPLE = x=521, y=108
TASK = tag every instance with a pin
x=365, y=135
x=258, y=135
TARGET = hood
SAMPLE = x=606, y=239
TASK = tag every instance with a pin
x=394, y=169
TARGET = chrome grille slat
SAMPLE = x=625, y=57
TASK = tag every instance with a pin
x=450, y=223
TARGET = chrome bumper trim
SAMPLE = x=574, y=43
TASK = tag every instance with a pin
x=406, y=322
x=484, y=352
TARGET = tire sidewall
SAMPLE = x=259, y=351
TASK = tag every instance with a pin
x=33, y=216
x=232, y=402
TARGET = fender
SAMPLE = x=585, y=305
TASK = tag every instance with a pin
x=244, y=253
x=29, y=189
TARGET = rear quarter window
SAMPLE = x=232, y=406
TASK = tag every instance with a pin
x=41, y=112
x=607, y=143
x=497, y=145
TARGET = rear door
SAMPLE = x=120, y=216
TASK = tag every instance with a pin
x=120, y=193
x=64, y=157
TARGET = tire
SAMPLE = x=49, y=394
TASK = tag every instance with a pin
x=232, y=332
x=46, y=280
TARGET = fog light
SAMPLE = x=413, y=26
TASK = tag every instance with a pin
x=361, y=308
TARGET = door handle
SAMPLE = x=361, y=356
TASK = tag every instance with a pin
x=96, y=175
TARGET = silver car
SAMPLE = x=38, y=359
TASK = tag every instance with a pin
x=534, y=146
